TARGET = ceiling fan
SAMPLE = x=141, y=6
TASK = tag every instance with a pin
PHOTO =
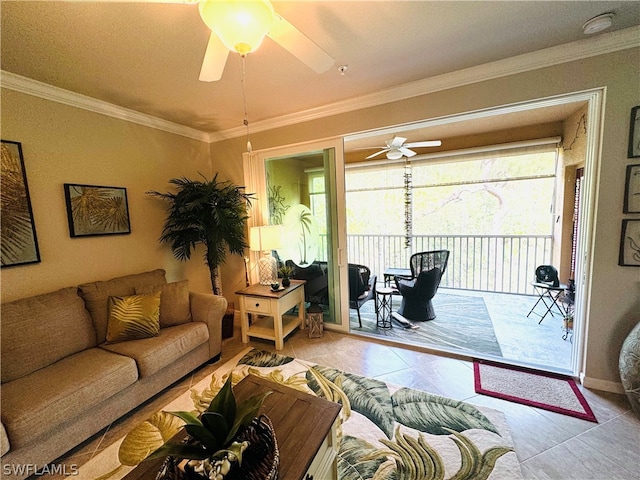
x=240, y=26
x=396, y=148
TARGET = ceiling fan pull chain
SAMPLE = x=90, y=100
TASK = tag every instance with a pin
x=244, y=101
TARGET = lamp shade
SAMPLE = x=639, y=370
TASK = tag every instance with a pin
x=265, y=238
x=240, y=24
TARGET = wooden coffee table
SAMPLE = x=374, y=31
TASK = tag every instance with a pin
x=305, y=427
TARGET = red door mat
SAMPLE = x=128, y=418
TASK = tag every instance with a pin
x=556, y=393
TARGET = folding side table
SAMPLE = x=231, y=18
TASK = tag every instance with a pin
x=549, y=296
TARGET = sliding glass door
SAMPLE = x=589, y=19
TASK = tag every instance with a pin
x=297, y=187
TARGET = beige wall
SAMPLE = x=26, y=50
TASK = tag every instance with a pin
x=62, y=144
x=572, y=157
x=614, y=299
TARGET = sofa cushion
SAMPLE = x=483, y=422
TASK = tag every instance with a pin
x=133, y=317
x=175, y=307
x=40, y=402
x=96, y=295
x=153, y=354
x=40, y=330
x=5, y=446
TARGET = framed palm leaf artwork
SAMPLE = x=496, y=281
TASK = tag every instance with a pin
x=94, y=210
x=630, y=244
x=18, y=231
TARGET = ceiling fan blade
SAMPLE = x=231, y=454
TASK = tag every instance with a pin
x=214, y=60
x=293, y=40
x=406, y=152
x=430, y=143
x=377, y=153
x=396, y=142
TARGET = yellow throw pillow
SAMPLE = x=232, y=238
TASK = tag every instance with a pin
x=133, y=317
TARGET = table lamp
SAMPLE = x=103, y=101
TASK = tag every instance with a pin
x=264, y=239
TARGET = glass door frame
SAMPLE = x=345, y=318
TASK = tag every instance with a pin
x=255, y=180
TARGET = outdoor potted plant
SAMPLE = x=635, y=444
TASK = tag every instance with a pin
x=208, y=212
x=218, y=439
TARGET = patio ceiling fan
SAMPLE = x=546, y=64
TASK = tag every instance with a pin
x=396, y=148
x=240, y=26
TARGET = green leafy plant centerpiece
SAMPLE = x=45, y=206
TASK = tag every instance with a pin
x=285, y=272
x=212, y=448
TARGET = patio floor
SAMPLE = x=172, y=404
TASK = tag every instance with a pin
x=522, y=340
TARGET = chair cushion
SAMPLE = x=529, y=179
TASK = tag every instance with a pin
x=153, y=354
x=96, y=295
x=38, y=331
x=40, y=402
x=175, y=308
x=133, y=317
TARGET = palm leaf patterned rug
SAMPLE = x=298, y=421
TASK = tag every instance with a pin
x=386, y=432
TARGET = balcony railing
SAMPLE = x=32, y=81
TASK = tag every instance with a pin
x=493, y=263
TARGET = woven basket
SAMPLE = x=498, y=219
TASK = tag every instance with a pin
x=259, y=461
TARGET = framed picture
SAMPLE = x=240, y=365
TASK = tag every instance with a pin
x=632, y=190
x=94, y=210
x=634, y=133
x=18, y=231
x=630, y=244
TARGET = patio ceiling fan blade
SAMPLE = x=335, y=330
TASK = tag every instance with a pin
x=215, y=58
x=406, y=152
x=396, y=142
x=301, y=46
x=430, y=143
x=378, y=153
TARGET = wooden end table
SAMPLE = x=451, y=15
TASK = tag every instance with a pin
x=270, y=308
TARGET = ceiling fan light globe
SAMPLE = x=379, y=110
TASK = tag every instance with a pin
x=394, y=154
x=241, y=25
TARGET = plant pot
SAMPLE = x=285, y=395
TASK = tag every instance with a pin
x=260, y=460
x=286, y=282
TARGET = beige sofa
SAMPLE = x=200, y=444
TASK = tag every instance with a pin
x=61, y=383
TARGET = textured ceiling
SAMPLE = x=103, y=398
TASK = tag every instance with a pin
x=147, y=56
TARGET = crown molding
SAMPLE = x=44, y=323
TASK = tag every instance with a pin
x=38, y=89
x=578, y=50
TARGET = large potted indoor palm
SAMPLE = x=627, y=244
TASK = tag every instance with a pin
x=207, y=212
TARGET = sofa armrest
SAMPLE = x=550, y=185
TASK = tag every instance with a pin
x=4, y=440
x=209, y=309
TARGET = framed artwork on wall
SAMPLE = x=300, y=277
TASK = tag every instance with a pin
x=632, y=190
x=630, y=244
x=94, y=210
x=18, y=231
x=634, y=133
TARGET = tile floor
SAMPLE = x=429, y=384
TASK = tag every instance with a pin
x=548, y=445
